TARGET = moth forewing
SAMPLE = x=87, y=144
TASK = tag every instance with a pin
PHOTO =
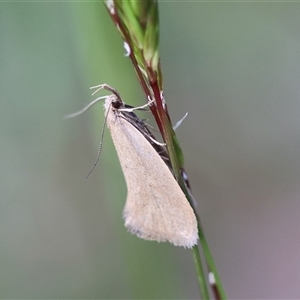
x=156, y=208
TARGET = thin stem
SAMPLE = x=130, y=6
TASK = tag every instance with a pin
x=200, y=273
x=211, y=265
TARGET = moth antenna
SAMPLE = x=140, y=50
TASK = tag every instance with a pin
x=98, y=88
x=100, y=145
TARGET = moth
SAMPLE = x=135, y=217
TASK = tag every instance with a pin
x=155, y=208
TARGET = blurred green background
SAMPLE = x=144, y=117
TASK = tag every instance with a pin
x=235, y=67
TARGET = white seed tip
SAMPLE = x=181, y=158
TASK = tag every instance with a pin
x=127, y=49
x=211, y=278
x=111, y=6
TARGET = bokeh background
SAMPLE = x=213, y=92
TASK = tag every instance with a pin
x=235, y=67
